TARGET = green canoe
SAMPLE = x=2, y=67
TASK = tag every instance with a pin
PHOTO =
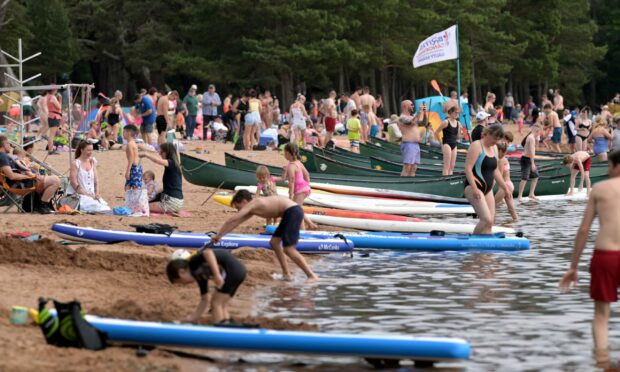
x=204, y=173
x=324, y=164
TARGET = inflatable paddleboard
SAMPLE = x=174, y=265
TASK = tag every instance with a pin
x=265, y=340
x=385, y=193
x=225, y=199
x=192, y=240
x=561, y=197
x=376, y=205
x=422, y=241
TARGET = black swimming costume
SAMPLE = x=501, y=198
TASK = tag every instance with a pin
x=526, y=169
x=483, y=172
x=233, y=271
x=161, y=124
x=450, y=135
x=289, y=226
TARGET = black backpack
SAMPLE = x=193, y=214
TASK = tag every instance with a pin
x=68, y=328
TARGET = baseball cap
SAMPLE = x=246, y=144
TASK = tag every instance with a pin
x=193, y=87
x=482, y=115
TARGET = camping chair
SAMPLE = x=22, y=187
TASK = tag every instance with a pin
x=15, y=194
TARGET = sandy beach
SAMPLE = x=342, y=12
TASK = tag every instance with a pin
x=121, y=280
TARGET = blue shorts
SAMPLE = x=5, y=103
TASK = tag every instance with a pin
x=135, y=177
x=146, y=128
x=557, y=135
x=411, y=152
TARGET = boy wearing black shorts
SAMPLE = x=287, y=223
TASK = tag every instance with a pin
x=220, y=265
x=285, y=238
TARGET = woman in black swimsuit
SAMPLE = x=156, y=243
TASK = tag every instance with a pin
x=450, y=131
x=584, y=130
x=481, y=171
x=113, y=116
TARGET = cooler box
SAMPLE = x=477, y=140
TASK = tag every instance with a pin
x=269, y=136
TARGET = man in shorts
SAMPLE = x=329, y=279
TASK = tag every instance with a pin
x=285, y=238
x=147, y=110
x=554, y=122
x=604, y=202
x=529, y=171
x=330, y=112
x=410, y=144
x=162, y=121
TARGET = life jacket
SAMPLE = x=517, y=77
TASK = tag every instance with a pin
x=68, y=328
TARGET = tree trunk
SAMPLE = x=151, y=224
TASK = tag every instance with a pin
x=341, y=87
x=474, y=86
x=373, y=82
x=286, y=79
x=385, y=92
x=395, y=104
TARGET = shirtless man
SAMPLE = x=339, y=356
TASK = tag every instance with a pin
x=329, y=111
x=286, y=236
x=356, y=97
x=410, y=144
x=579, y=162
x=558, y=102
x=529, y=171
x=554, y=122
x=367, y=99
x=604, y=202
x=162, y=122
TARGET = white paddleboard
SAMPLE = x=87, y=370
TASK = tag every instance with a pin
x=561, y=197
x=377, y=205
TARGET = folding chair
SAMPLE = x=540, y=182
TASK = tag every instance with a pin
x=13, y=195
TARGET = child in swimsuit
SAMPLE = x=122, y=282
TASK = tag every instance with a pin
x=133, y=174
x=227, y=272
x=151, y=185
x=266, y=186
x=504, y=167
x=297, y=175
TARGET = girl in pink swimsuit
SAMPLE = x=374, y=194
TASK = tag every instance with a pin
x=297, y=175
x=504, y=166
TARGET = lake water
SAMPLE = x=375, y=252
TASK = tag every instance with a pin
x=507, y=305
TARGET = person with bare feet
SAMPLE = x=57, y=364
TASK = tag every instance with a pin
x=410, y=144
x=226, y=271
x=329, y=110
x=286, y=236
x=604, y=202
x=579, y=162
x=529, y=171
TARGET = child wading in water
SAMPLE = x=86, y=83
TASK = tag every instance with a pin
x=504, y=168
x=604, y=202
x=133, y=174
x=226, y=271
x=266, y=186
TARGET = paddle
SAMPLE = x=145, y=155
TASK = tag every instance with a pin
x=436, y=87
x=213, y=193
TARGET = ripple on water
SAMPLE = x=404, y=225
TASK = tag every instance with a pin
x=506, y=305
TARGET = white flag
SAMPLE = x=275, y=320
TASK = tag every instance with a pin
x=442, y=46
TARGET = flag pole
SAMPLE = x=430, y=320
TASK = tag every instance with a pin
x=458, y=76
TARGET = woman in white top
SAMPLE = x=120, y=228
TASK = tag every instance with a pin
x=84, y=181
x=299, y=117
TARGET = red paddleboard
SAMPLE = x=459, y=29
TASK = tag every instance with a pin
x=355, y=214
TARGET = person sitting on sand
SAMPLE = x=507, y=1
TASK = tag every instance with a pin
x=579, y=162
x=604, y=202
x=171, y=198
x=148, y=178
x=286, y=236
x=84, y=180
x=226, y=271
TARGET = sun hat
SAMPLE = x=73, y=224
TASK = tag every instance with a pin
x=482, y=115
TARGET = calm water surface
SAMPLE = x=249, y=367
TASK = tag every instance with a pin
x=507, y=305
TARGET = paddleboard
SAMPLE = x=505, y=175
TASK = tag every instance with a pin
x=399, y=226
x=423, y=241
x=561, y=197
x=226, y=198
x=271, y=341
x=375, y=205
x=385, y=193
x=191, y=240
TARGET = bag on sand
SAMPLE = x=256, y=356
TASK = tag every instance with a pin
x=69, y=328
x=138, y=202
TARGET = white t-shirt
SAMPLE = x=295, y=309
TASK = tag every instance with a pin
x=26, y=101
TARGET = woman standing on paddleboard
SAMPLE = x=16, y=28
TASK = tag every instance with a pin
x=481, y=171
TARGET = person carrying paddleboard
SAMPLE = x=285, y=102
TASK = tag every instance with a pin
x=604, y=202
x=286, y=236
x=226, y=271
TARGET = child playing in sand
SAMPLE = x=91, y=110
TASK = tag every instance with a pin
x=353, y=128
x=266, y=186
x=151, y=185
x=504, y=168
x=133, y=173
x=226, y=271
